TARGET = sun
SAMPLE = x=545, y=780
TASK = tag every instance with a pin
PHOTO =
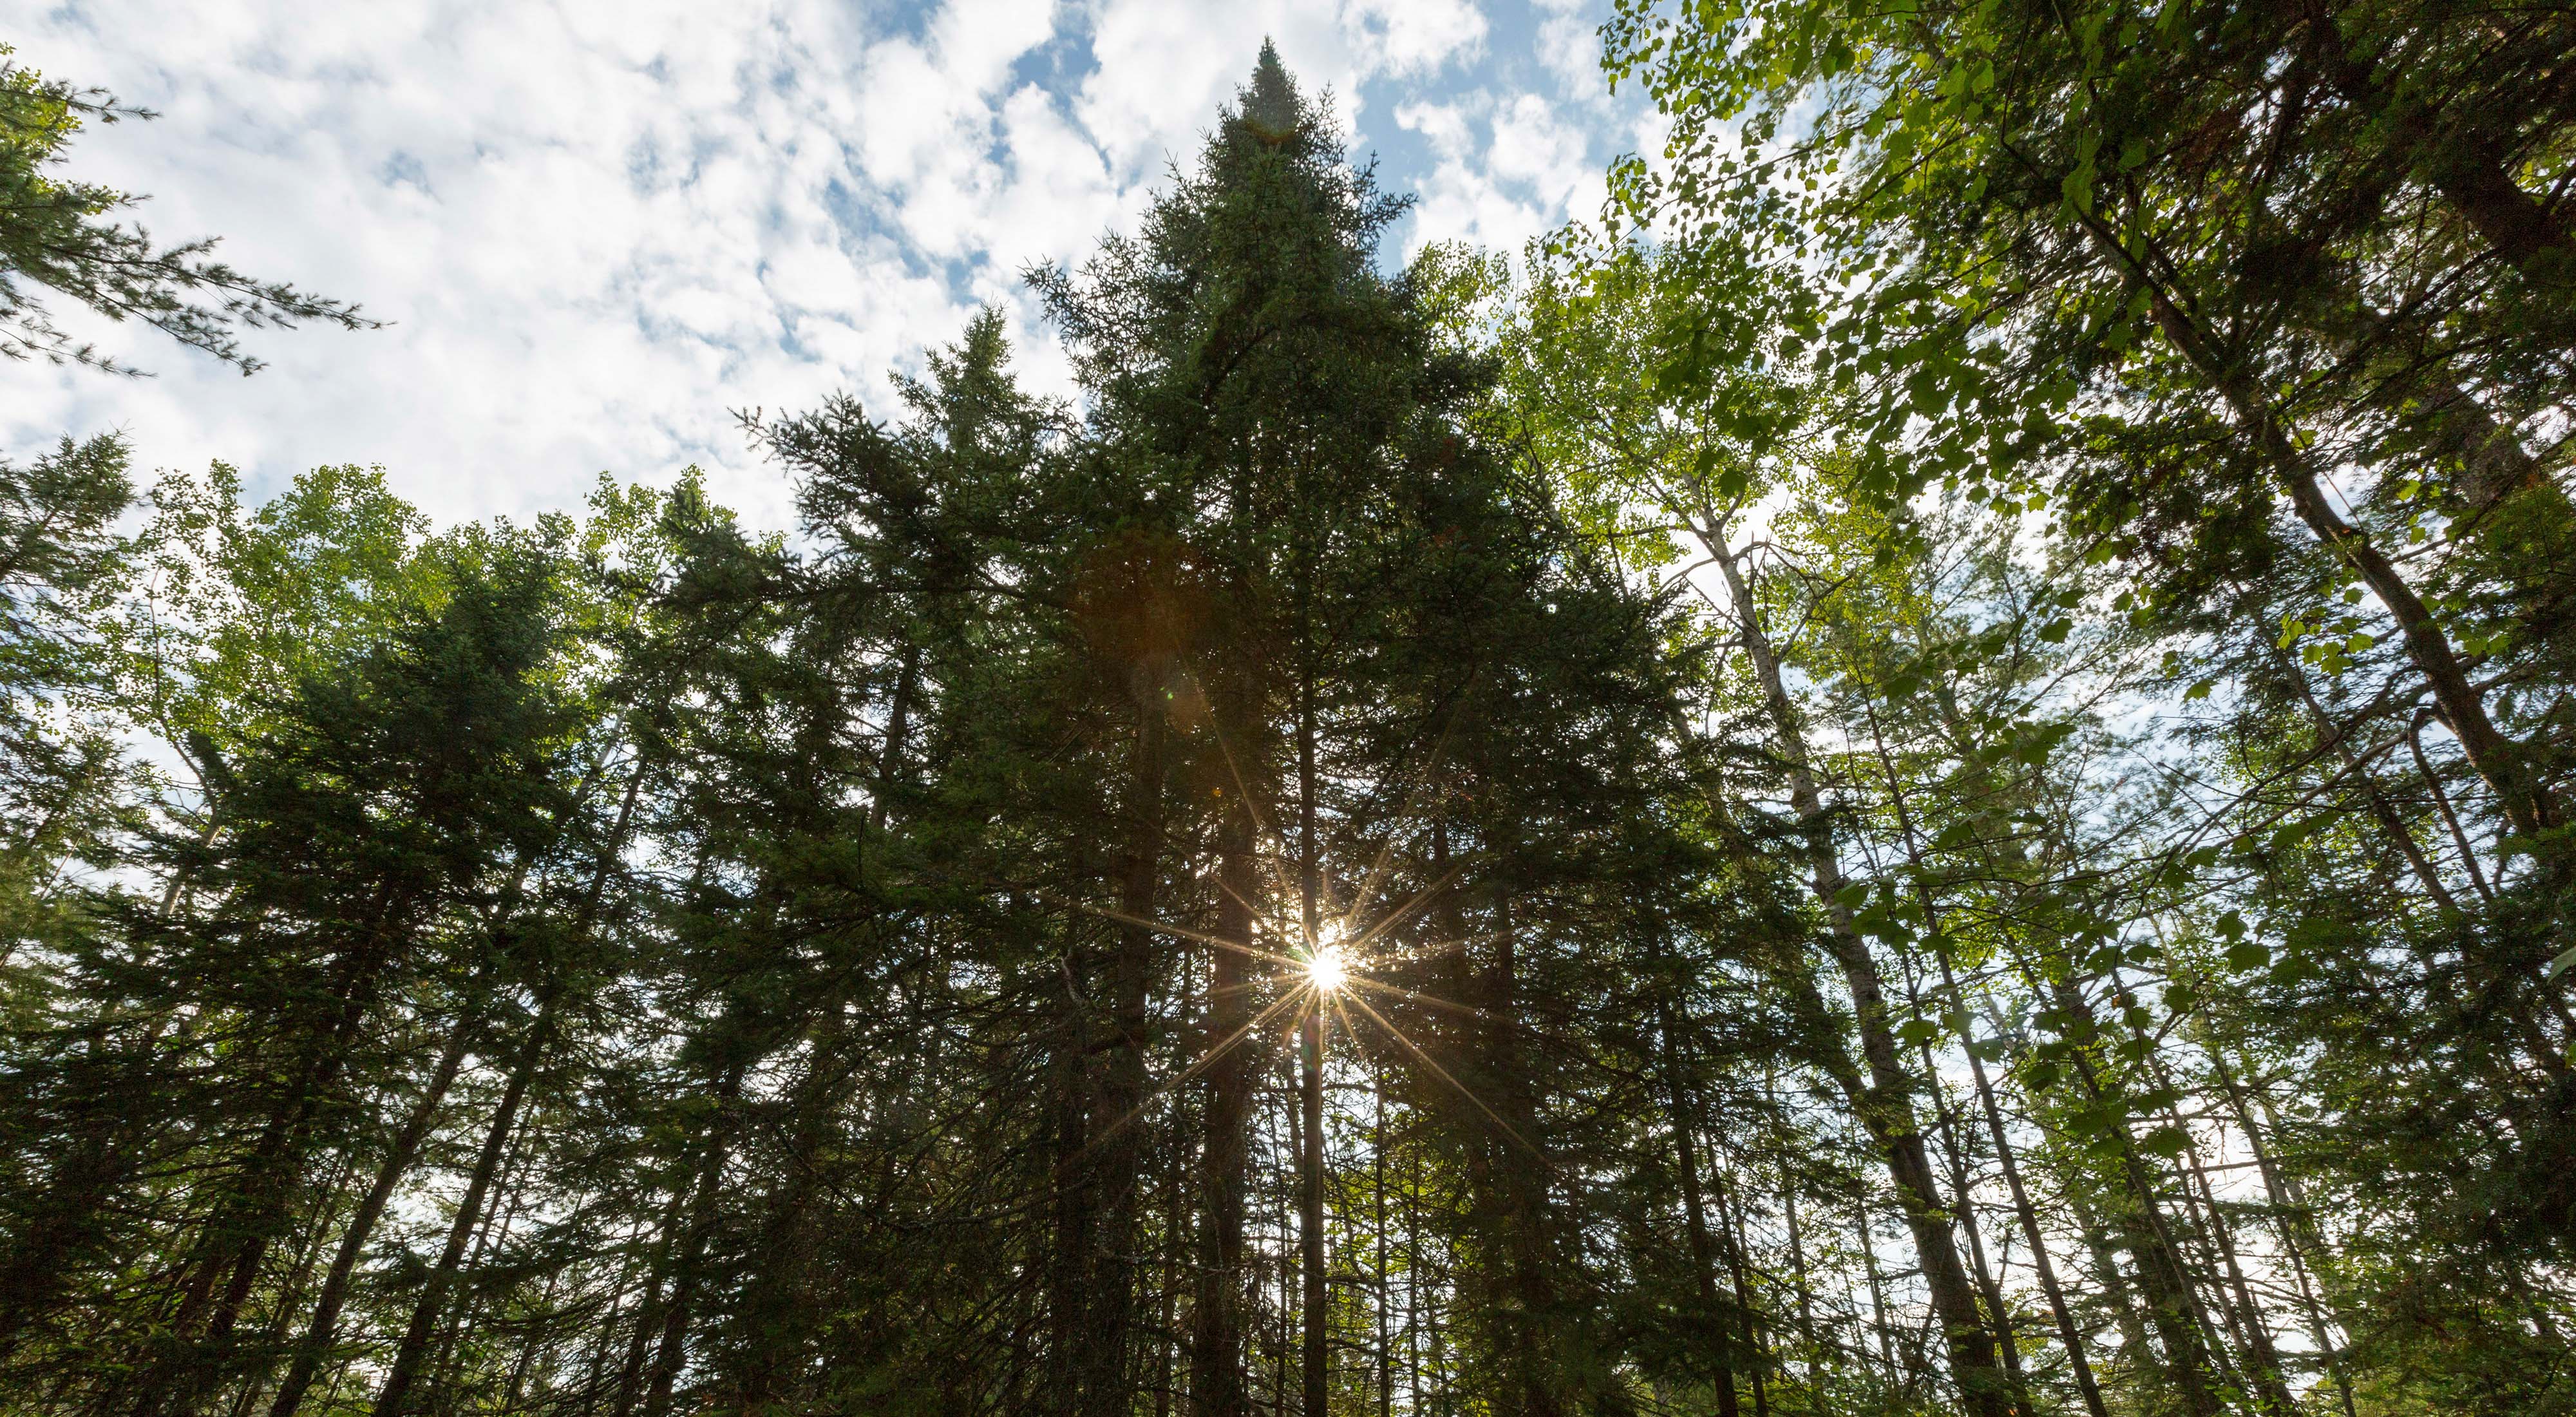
x=1326, y=969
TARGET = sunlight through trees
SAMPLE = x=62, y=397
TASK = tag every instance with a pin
x=1924, y=772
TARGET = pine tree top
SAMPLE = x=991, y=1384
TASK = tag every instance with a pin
x=1272, y=108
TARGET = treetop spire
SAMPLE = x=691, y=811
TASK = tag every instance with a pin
x=1271, y=106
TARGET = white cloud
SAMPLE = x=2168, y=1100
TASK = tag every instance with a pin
x=1570, y=46
x=1419, y=34
x=1442, y=125
x=1532, y=147
x=1531, y=171
x=598, y=228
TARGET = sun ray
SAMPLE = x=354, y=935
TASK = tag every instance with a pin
x=1433, y=949
x=1186, y=933
x=1420, y=898
x=1242, y=789
x=1262, y=828
x=1205, y=1062
x=1413, y=797
x=1443, y=1073
x=1362, y=981
x=1327, y=968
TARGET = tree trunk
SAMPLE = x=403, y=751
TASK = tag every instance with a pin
x=413, y=1350
x=1107, y=1169
x=670, y=1344
x=1315, y=1304
x=2077, y=1359
x=2067, y=1332
x=1757, y=1353
x=1695, y=1214
x=1883, y=1104
x=2466, y=167
x=1216, y=1318
x=399, y=1154
x=2297, y=1232
x=2172, y=1294
x=236, y=1238
x=1315, y=1307
x=2502, y=762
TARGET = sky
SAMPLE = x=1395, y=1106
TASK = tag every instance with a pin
x=597, y=230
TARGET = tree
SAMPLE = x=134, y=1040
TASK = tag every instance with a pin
x=56, y=234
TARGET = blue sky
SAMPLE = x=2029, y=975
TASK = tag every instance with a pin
x=598, y=228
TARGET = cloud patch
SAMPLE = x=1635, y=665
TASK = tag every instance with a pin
x=598, y=229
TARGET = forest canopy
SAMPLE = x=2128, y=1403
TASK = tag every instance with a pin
x=1925, y=771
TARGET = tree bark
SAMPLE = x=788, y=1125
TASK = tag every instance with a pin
x=670, y=1344
x=2502, y=762
x=2466, y=166
x=1882, y=1103
x=1315, y=1306
x=2078, y=1360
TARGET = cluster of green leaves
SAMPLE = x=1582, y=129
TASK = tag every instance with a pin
x=2236, y=334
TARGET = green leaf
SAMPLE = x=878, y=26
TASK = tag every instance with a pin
x=2248, y=954
x=2166, y=1141
x=2559, y=966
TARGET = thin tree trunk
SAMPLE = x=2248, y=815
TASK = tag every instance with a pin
x=1217, y=1311
x=1314, y=1307
x=670, y=1349
x=597, y=1372
x=290, y=1298
x=2381, y=810
x=648, y=1308
x=1385, y=1285
x=1882, y=1104
x=1797, y=1244
x=1881, y=1327
x=1109, y=1171
x=2504, y=764
x=1310, y=1055
x=2067, y=1332
x=413, y=1350
x=2296, y=1232
x=1955, y=1149
x=2442, y=804
x=1756, y=1350
x=2173, y=1295
x=2255, y=1332
x=1695, y=1213
x=237, y=1238
x=2468, y=170
x=399, y=1154
x=463, y=1311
